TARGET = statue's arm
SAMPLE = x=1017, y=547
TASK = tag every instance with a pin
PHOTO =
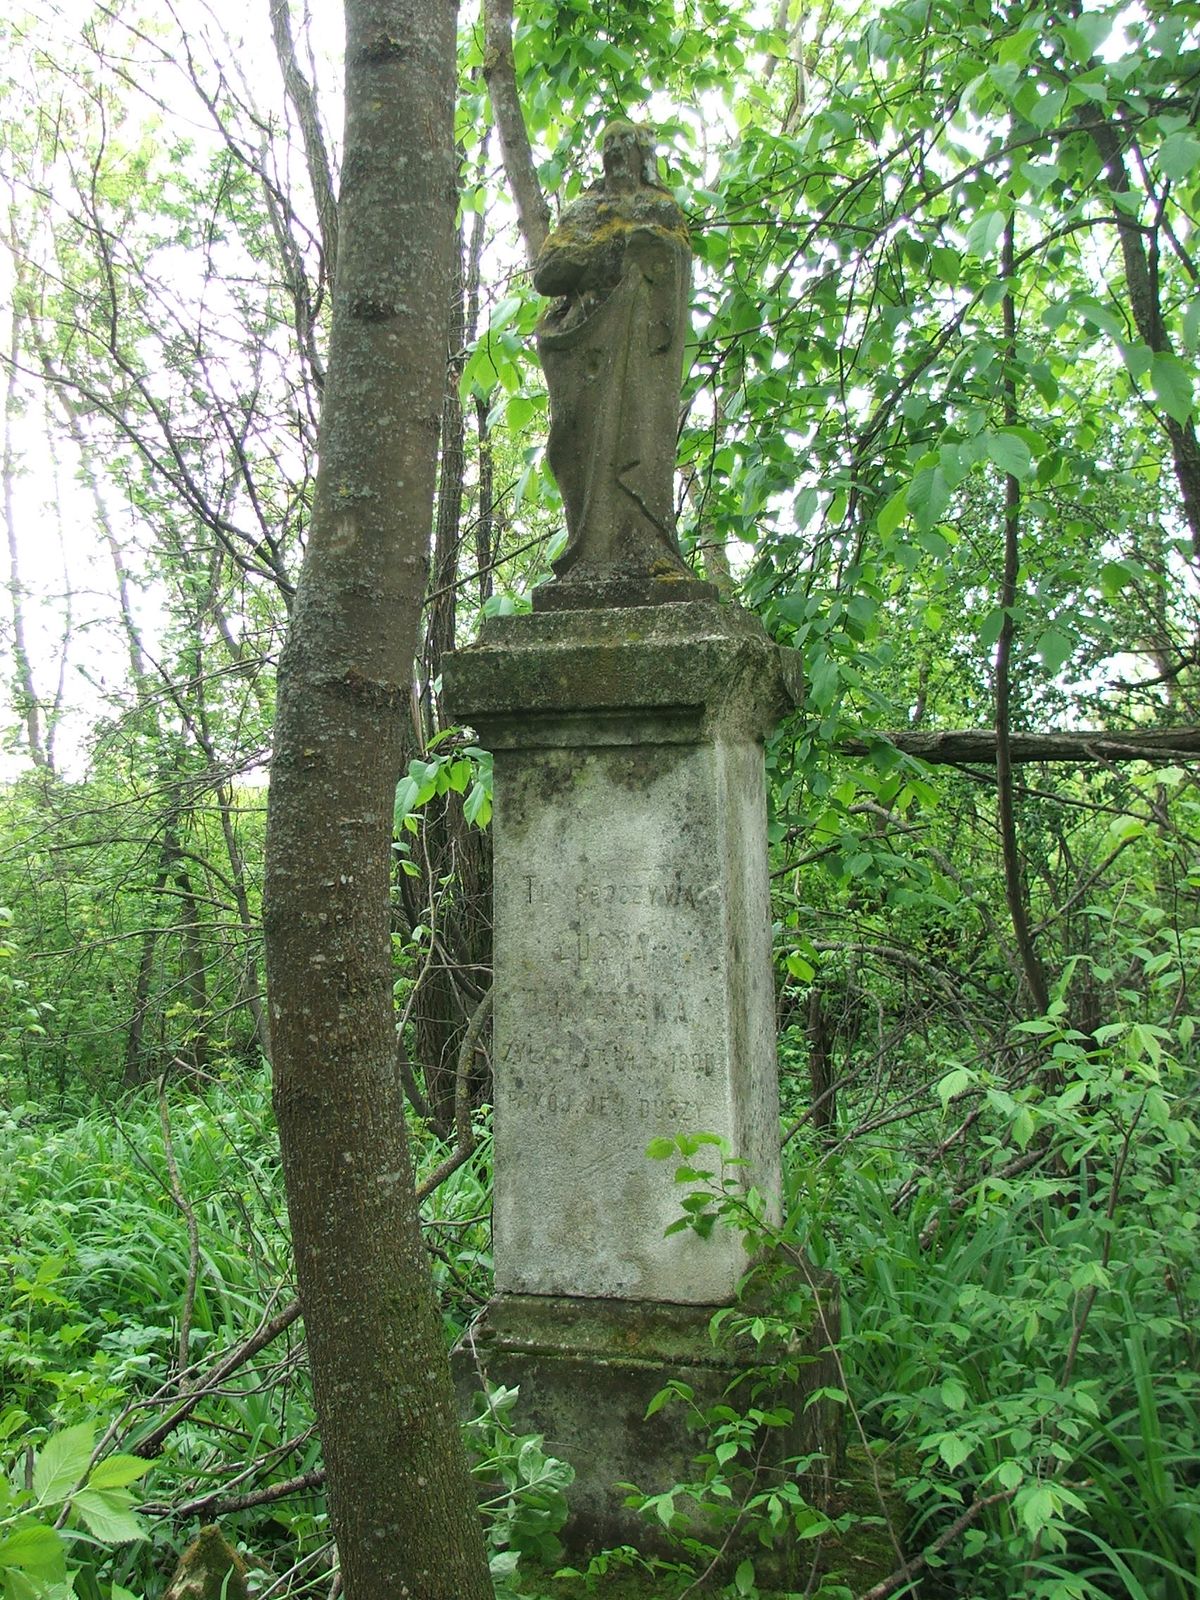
x=560, y=266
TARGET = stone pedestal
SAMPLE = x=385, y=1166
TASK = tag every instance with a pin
x=587, y=1371
x=633, y=999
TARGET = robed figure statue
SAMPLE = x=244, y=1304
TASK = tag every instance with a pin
x=619, y=267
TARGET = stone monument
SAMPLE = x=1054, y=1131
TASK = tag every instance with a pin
x=633, y=981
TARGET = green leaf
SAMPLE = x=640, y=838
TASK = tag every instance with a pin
x=954, y=1394
x=894, y=512
x=658, y=1402
x=1047, y=108
x=62, y=1462
x=407, y=791
x=954, y=1449
x=108, y=1514
x=1114, y=576
x=954, y=1082
x=1055, y=647
x=115, y=1472
x=946, y=263
x=1072, y=1095
x=1095, y=315
x=1037, y=1508
x=477, y=807
x=1010, y=453
x=1086, y=33
x=984, y=233
x=993, y=626
x=504, y=313
x=1172, y=385
x=743, y=1578
x=459, y=775
x=928, y=496
x=35, y=1549
x=1179, y=157
x=519, y=412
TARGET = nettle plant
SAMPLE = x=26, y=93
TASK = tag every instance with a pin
x=1018, y=1349
x=61, y=1510
x=523, y=1501
x=740, y=1486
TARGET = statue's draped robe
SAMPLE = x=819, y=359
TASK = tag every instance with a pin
x=612, y=352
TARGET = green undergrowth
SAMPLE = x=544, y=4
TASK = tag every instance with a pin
x=1017, y=1367
x=98, y=1276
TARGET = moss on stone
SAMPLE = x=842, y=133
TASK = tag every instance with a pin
x=209, y=1569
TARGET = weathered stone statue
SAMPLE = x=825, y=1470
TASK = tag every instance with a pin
x=619, y=265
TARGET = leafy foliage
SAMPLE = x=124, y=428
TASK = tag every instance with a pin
x=945, y=326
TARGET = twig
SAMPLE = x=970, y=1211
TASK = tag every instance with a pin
x=408, y=1077
x=215, y=1505
x=831, y=1335
x=1110, y=1211
x=699, y=1583
x=269, y=1459
x=463, y=1126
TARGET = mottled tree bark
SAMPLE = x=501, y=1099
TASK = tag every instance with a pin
x=400, y=1496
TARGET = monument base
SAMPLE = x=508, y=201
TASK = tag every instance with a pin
x=591, y=588
x=587, y=1371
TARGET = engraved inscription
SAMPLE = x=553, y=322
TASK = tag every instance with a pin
x=611, y=1026
x=663, y=894
x=612, y=1057
x=653, y=1110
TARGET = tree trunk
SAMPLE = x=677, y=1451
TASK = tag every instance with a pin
x=453, y=893
x=192, y=981
x=400, y=1496
x=499, y=69
x=25, y=695
x=822, y=1083
x=1142, y=286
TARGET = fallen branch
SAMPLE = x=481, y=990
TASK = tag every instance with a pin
x=216, y=1505
x=263, y=1335
x=908, y=1572
x=953, y=747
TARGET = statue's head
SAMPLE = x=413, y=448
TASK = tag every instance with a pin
x=628, y=153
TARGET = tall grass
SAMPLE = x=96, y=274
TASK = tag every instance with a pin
x=99, y=1270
